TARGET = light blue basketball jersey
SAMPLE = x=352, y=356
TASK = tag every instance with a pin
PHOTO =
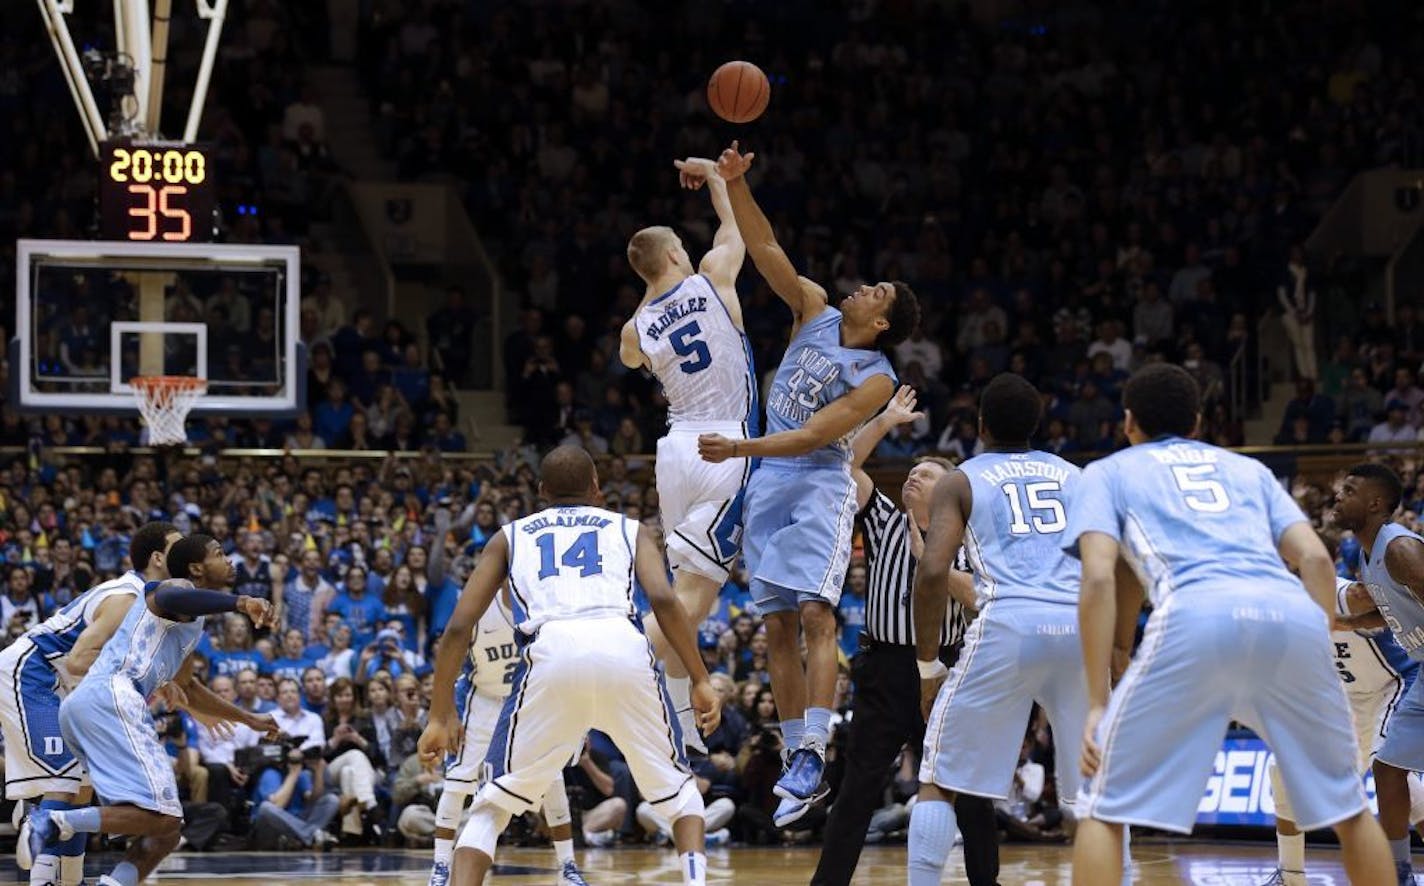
x=1014, y=540
x=816, y=371
x=147, y=649
x=1402, y=611
x=1190, y=517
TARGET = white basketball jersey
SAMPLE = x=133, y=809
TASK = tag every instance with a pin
x=570, y=563
x=701, y=359
x=1369, y=662
x=493, y=652
x=55, y=637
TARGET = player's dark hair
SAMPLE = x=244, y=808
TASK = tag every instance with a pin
x=150, y=539
x=186, y=553
x=1164, y=399
x=567, y=472
x=903, y=316
x=1384, y=478
x=1011, y=408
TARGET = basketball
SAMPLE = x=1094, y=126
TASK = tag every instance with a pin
x=738, y=92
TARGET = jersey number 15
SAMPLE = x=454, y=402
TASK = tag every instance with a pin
x=1044, y=507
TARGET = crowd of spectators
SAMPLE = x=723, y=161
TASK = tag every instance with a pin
x=1071, y=192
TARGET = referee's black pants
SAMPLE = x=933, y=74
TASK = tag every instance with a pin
x=887, y=717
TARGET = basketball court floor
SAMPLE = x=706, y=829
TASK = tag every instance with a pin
x=1156, y=863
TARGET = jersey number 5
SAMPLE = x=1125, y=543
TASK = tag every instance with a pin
x=684, y=345
x=582, y=555
x=1201, y=493
x=1044, y=505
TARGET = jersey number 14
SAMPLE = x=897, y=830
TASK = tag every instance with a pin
x=581, y=555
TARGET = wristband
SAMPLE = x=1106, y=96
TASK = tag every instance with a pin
x=931, y=669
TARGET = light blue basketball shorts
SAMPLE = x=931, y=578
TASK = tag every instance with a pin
x=107, y=725
x=799, y=522
x=1264, y=660
x=1014, y=655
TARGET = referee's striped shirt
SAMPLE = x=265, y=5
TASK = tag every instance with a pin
x=889, y=609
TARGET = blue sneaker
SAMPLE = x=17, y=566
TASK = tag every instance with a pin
x=802, y=779
x=439, y=874
x=788, y=812
x=1405, y=870
x=570, y=875
x=44, y=829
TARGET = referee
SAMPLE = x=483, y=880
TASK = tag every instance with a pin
x=886, y=716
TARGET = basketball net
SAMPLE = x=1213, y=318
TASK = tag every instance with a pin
x=164, y=401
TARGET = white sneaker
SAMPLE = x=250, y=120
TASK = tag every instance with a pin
x=719, y=837
x=600, y=839
x=23, y=859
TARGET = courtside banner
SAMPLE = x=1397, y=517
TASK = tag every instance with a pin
x=1239, y=791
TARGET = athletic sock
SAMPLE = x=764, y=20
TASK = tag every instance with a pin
x=1400, y=850
x=694, y=869
x=83, y=821
x=71, y=867
x=1290, y=853
x=792, y=732
x=818, y=727
x=565, y=850
x=125, y=874
x=444, y=850
x=932, y=827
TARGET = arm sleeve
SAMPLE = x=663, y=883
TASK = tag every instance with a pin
x=1094, y=507
x=193, y=601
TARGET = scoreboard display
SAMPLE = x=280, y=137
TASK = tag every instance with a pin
x=155, y=192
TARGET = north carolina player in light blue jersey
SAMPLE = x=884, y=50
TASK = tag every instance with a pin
x=1008, y=508
x=1392, y=570
x=801, y=501
x=688, y=332
x=106, y=720
x=585, y=664
x=1376, y=672
x=1232, y=636
x=36, y=670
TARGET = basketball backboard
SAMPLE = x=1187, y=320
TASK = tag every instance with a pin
x=92, y=315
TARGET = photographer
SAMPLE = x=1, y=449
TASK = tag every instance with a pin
x=288, y=805
x=385, y=653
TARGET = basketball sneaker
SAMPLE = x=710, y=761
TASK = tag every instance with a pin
x=802, y=779
x=1406, y=873
x=1282, y=877
x=790, y=811
x=439, y=875
x=570, y=875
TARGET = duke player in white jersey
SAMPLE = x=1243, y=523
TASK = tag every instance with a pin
x=585, y=664
x=1376, y=673
x=1392, y=570
x=1233, y=636
x=36, y=670
x=484, y=684
x=688, y=332
x=106, y=720
x=1009, y=508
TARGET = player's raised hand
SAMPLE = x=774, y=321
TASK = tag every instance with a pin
x=901, y=408
x=733, y=164
x=694, y=172
x=257, y=609
x=265, y=724
x=716, y=448
x=708, y=705
x=1092, y=755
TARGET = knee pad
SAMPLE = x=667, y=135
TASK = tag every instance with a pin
x=556, y=803
x=686, y=802
x=447, y=811
x=481, y=832
x=1278, y=793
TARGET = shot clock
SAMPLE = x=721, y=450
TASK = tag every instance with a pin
x=155, y=192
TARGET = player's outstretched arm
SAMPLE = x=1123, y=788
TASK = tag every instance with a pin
x=629, y=350
x=832, y=422
x=1358, y=610
x=443, y=731
x=212, y=709
x=178, y=597
x=1307, y=556
x=677, y=628
x=1404, y=558
x=724, y=260
x=805, y=298
x=101, y=630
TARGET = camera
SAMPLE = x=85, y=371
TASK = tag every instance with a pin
x=268, y=754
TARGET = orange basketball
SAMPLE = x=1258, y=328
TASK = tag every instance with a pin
x=738, y=92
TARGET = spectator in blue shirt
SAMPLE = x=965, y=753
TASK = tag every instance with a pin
x=363, y=612
x=332, y=415
x=851, y=610
x=293, y=661
x=444, y=436
x=237, y=653
x=412, y=379
x=288, y=802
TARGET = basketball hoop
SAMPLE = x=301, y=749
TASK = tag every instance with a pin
x=164, y=401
